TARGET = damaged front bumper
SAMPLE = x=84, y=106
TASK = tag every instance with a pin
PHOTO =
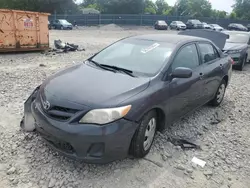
x=86, y=142
x=28, y=122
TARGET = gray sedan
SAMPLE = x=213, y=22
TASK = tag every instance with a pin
x=237, y=46
x=115, y=101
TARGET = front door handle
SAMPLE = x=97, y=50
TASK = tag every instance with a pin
x=201, y=75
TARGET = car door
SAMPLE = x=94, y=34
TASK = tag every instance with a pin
x=248, y=50
x=57, y=24
x=174, y=25
x=212, y=66
x=185, y=93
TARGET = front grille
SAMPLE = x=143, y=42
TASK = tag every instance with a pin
x=57, y=112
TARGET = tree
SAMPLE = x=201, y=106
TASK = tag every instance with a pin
x=162, y=6
x=219, y=14
x=233, y=15
x=241, y=9
x=60, y=6
x=150, y=7
x=194, y=8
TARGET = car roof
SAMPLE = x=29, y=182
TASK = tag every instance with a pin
x=170, y=38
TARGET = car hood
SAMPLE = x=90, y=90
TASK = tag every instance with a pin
x=67, y=24
x=234, y=46
x=218, y=38
x=93, y=87
x=181, y=25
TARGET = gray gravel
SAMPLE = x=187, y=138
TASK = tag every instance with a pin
x=26, y=162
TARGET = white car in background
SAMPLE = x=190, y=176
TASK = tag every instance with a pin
x=206, y=26
x=178, y=25
x=217, y=27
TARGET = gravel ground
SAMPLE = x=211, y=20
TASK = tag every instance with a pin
x=26, y=162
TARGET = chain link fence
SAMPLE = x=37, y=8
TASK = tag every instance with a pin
x=133, y=19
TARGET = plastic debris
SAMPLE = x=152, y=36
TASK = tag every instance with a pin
x=199, y=162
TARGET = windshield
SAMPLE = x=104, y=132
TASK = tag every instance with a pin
x=195, y=21
x=162, y=22
x=215, y=25
x=237, y=38
x=64, y=21
x=179, y=22
x=141, y=56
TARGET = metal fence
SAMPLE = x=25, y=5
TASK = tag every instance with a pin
x=134, y=19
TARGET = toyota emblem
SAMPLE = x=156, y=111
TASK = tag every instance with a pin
x=46, y=105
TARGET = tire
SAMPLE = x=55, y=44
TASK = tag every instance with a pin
x=61, y=28
x=141, y=144
x=217, y=101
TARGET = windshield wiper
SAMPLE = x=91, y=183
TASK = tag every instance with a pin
x=99, y=65
x=126, y=71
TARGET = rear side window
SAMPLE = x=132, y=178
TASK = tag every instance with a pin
x=187, y=57
x=208, y=52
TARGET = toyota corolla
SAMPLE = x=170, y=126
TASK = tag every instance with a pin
x=112, y=104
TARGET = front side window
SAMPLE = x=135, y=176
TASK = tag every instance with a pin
x=64, y=22
x=187, y=57
x=138, y=55
x=208, y=53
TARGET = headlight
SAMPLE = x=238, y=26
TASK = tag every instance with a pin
x=233, y=51
x=104, y=116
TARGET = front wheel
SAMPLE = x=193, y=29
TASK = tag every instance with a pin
x=144, y=135
x=220, y=93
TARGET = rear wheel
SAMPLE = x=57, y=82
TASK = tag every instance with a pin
x=220, y=93
x=144, y=135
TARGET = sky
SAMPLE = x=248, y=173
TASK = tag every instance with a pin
x=216, y=4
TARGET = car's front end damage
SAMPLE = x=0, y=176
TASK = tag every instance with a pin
x=238, y=52
x=87, y=142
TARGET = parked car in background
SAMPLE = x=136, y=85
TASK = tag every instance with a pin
x=206, y=26
x=194, y=24
x=248, y=27
x=62, y=24
x=178, y=25
x=99, y=116
x=49, y=25
x=216, y=27
x=237, y=46
x=161, y=25
x=237, y=27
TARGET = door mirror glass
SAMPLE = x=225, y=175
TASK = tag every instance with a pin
x=182, y=72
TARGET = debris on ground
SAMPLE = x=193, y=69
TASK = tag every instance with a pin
x=42, y=65
x=66, y=47
x=184, y=144
x=113, y=27
x=199, y=162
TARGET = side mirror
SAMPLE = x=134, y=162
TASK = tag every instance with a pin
x=182, y=72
